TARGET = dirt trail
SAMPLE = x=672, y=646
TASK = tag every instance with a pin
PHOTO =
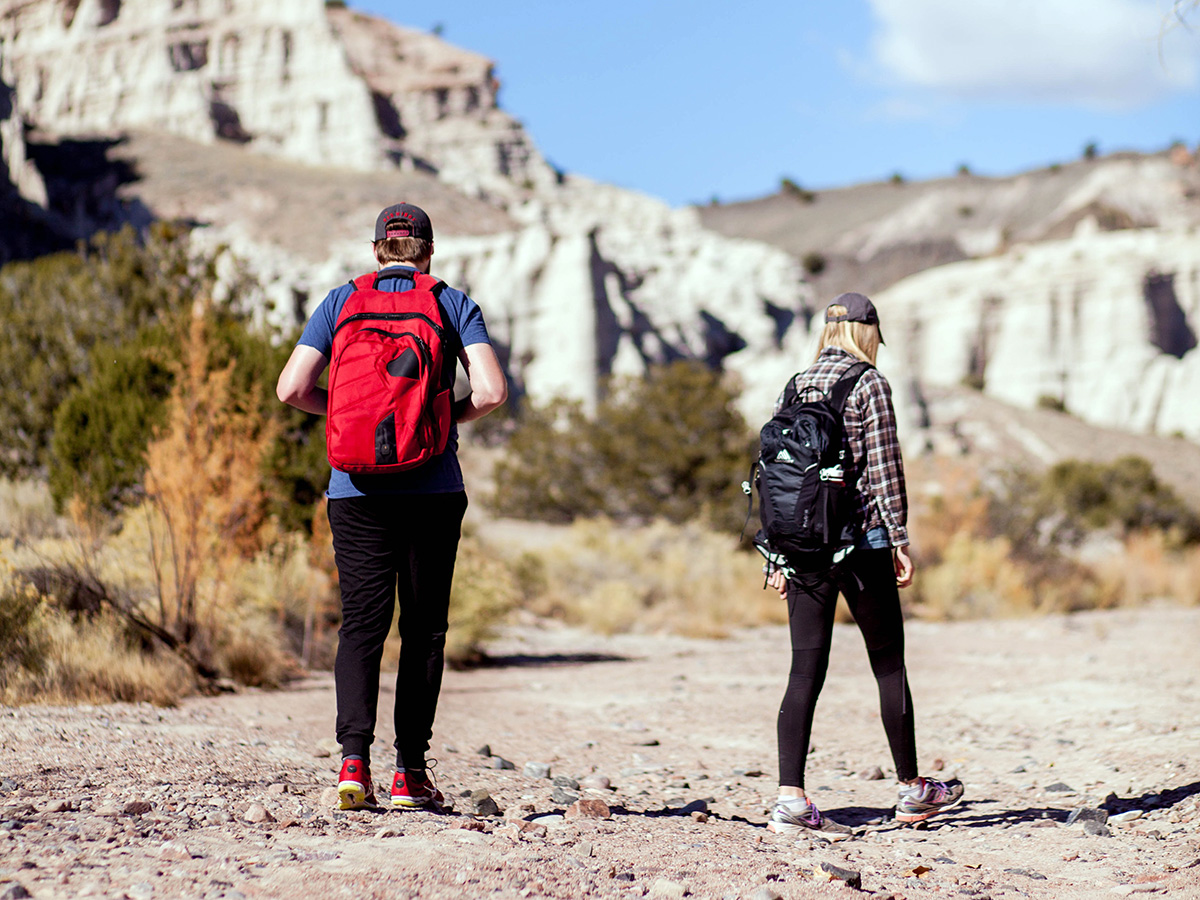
x=1038, y=717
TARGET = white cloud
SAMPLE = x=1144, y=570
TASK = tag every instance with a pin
x=1096, y=53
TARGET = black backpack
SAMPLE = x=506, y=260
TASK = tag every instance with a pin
x=807, y=509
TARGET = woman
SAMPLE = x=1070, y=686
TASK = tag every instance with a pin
x=868, y=576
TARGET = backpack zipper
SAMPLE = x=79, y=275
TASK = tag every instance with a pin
x=391, y=317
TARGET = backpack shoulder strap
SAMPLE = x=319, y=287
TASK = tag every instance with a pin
x=840, y=392
x=364, y=282
x=789, y=391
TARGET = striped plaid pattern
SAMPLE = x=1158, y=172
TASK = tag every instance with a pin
x=871, y=441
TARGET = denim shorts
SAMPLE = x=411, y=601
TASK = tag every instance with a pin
x=875, y=539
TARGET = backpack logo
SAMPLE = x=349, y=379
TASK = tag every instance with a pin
x=783, y=455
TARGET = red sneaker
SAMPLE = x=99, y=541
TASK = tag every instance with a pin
x=411, y=791
x=355, y=789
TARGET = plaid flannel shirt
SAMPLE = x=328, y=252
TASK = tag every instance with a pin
x=870, y=439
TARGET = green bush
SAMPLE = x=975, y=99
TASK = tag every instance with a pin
x=56, y=309
x=104, y=424
x=1075, y=497
x=671, y=445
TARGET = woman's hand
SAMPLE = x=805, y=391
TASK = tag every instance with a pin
x=904, y=566
x=778, y=581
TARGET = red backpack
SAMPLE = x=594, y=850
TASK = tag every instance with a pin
x=391, y=376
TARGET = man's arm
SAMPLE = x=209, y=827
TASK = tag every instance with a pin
x=297, y=384
x=489, y=387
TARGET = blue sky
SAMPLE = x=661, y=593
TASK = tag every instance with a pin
x=690, y=100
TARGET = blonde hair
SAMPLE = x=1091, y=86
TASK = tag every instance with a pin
x=403, y=250
x=856, y=338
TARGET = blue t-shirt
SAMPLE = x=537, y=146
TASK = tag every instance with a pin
x=441, y=475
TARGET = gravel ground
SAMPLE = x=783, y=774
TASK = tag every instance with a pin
x=231, y=796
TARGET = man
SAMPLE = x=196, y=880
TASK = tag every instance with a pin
x=396, y=529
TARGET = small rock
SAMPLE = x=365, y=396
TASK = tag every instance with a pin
x=766, y=892
x=589, y=808
x=277, y=788
x=874, y=773
x=537, y=770
x=137, y=808
x=1087, y=814
x=1059, y=788
x=828, y=872
x=450, y=748
x=329, y=797
x=939, y=764
x=547, y=820
x=8, y=785
x=1096, y=828
x=1018, y=770
x=174, y=850
x=485, y=750
x=499, y=762
x=595, y=783
x=584, y=849
x=57, y=806
x=140, y=891
x=699, y=817
x=109, y=809
x=1028, y=873
x=388, y=831
x=566, y=781
x=694, y=807
x=534, y=828
x=1130, y=816
x=479, y=803
x=14, y=891
x=256, y=813
x=646, y=742
x=326, y=747
x=1124, y=890
x=566, y=798
x=665, y=887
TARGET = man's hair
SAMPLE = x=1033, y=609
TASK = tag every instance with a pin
x=856, y=338
x=402, y=250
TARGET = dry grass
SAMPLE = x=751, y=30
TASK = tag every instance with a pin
x=683, y=579
x=26, y=510
x=48, y=655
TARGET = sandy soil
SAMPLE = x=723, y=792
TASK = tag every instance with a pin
x=1038, y=717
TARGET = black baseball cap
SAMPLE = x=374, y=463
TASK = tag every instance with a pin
x=859, y=308
x=403, y=220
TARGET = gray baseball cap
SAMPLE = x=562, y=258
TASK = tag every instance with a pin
x=859, y=308
x=403, y=220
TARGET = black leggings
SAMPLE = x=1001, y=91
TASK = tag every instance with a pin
x=868, y=581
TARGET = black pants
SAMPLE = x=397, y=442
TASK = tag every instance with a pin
x=868, y=581
x=384, y=545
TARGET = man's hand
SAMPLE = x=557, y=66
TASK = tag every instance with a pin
x=904, y=566
x=778, y=581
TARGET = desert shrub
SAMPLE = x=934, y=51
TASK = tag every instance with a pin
x=49, y=655
x=1052, y=403
x=1046, y=543
x=670, y=445
x=791, y=189
x=664, y=577
x=104, y=423
x=1075, y=497
x=57, y=308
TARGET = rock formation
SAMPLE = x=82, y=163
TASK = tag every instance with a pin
x=1086, y=293
x=1102, y=323
x=297, y=79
